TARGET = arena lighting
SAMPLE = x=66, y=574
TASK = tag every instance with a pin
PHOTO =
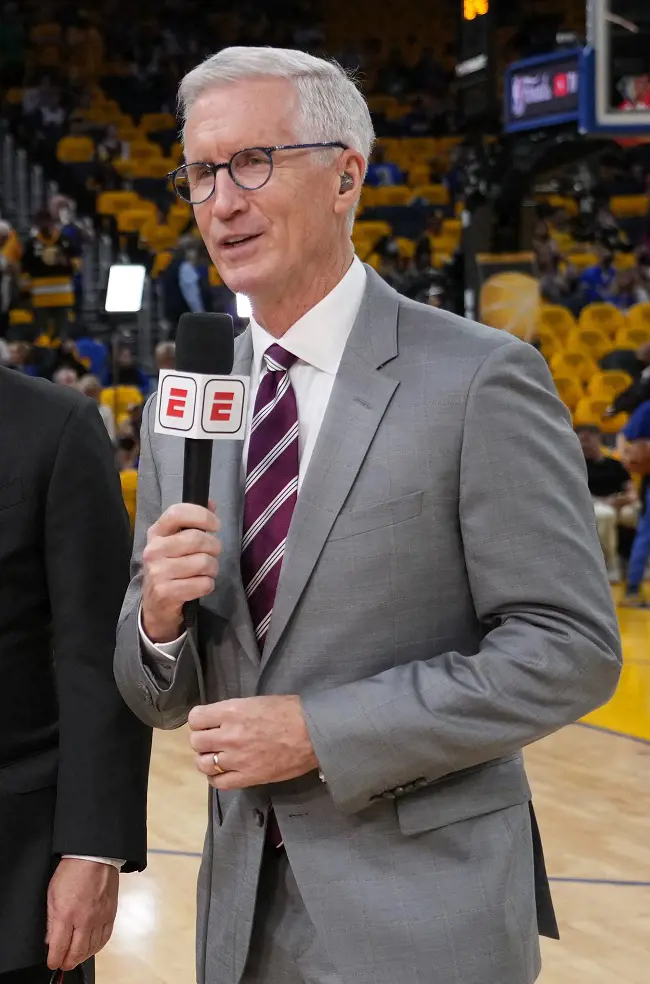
x=125, y=288
x=475, y=8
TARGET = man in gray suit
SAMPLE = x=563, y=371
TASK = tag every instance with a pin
x=406, y=587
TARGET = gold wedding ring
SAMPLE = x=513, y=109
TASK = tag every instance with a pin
x=217, y=768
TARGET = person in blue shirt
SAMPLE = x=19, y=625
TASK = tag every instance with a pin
x=635, y=444
x=382, y=172
x=598, y=281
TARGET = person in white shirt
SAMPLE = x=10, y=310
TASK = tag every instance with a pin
x=398, y=575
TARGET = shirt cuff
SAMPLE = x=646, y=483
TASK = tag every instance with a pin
x=115, y=862
x=170, y=650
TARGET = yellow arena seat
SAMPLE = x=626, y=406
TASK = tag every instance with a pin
x=129, y=483
x=372, y=230
x=569, y=390
x=141, y=149
x=574, y=363
x=639, y=316
x=629, y=206
x=602, y=315
x=609, y=383
x=557, y=319
x=20, y=316
x=550, y=343
x=393, y=195
x=630, y=337
x=157, y=121
x=435, y=194
x=133, y=219
x=75, y=150
x=597, y=342
x=582, y=261
x=590, y=410
x=114, y=202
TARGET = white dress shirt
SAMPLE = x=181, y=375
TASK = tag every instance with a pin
x=318, y=340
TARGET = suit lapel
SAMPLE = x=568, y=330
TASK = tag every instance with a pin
x=359, y=400
x=226, y=490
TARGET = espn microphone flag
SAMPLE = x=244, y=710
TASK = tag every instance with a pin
x=201, y=406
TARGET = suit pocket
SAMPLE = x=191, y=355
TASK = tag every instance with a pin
x=378, y=516
x=11, y=493
x=463, y=795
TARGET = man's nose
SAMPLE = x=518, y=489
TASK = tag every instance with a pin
x=228, y=197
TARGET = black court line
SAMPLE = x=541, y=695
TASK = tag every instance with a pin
x=611, y=731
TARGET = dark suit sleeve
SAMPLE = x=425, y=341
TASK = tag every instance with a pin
x=103, y=748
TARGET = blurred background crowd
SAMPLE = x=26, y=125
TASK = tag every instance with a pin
x=554, y=247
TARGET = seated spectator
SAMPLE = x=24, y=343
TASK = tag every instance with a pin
x=63, y=356
x=616, y=503
x=65, y=377
x=9, y=280
x=394, y=76
x=127, y=372
x=598, y=281
x=186, y=283
x=165, y=356
x=382, y=172
x=20, y=358
x=91, y=387
x=557, y=287
x=627, y=289
x=607, y=232
x=107, y=151
x=51, y=260
x=634, y=446
x=127, y=453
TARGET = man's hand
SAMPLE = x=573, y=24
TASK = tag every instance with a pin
x=180, y=564
x=81, y=908
x=258, y=740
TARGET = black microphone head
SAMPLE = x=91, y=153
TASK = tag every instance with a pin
x=205, y=343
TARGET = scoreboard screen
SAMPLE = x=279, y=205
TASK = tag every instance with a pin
x=542, y=91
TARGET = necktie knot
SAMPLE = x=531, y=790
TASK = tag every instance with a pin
x=278, y=359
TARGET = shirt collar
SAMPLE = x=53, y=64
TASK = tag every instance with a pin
x=320, y=336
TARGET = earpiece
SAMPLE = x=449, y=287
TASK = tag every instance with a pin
x=347, y=182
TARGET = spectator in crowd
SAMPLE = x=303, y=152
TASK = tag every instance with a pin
x=66, y=377
x=9, y=280
x=598, y=281
x=127, y=373
x=394, y=76
x=20, y=358
x=634, y=446
x=616, y=503
x=185, y=283
x=607, y=232
x=50, y=260
x=555, y=286
x=91, y=387
x=107, y=151
x=382, y=172
x=627, y=289
x=165, y=356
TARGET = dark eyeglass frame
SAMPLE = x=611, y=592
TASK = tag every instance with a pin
x=269, y=151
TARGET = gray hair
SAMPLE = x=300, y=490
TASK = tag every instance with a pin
x=331, y=107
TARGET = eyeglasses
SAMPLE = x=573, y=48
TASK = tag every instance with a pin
x=250, y=169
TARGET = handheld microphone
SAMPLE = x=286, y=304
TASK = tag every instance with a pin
x=201, y=401
x=204, y=347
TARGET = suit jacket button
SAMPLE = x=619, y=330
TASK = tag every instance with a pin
x=259, y=817
x=399, y=790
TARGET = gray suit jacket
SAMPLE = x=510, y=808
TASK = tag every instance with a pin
x=442, y=603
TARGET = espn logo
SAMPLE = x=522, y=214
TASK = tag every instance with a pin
x=196, y=406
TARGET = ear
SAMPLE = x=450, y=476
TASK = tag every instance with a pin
x=350, y=174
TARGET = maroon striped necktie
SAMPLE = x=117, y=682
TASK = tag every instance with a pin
x=271, y=487
x=271, y=493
